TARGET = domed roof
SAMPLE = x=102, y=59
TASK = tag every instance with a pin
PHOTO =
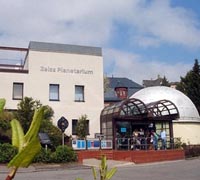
x=186, y=108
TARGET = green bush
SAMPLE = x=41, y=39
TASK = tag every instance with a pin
x=64, y=154
x=5, y=128
x=43, y=157
x=60, y=155
x=7, y=152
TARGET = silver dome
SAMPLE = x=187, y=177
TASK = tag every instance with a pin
x=186, y=108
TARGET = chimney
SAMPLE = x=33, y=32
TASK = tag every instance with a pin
x=121, y=91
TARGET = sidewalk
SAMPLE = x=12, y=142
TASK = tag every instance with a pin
x=110, y=163
x=87, y=163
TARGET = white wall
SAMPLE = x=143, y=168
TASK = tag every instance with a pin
x=36, y=85
x=189, y=132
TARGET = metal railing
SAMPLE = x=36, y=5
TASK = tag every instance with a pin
x=146, y=144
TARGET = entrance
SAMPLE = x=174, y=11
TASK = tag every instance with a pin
x=120, y=120
x=138, y=135
x=126, y=128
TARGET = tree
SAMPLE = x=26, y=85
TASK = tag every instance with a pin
x=165, y=82
x=25, y=113
x=106, y=84
x=196, y=67
x=190, y=85
x=82, y=127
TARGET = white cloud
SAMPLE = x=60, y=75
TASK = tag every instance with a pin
x=169, y=25
x=92, y=22
x=147, y=41
x=81, y=22
x=138, y=69
x=149, y=24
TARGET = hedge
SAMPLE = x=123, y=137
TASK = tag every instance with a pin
x=60, y=155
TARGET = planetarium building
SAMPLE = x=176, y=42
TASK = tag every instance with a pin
x=187, y=125
x=153, y=108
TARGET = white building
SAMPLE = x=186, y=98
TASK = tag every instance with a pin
x=68, y=78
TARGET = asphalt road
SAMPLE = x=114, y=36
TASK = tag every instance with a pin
x=172, y=170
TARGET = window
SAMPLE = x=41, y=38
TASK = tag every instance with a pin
x=74, y=124
x=79, y=93
x=18, y=91
x=54, y=92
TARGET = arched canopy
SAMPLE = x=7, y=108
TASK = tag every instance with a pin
x=163, y=109
x=135, y=108
x=129, y=107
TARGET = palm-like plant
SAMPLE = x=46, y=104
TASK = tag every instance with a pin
x=28, y=145
x=104, y=173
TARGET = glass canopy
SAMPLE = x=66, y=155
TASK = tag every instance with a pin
x=164, y=109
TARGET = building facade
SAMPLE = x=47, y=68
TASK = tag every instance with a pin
x=68, y=78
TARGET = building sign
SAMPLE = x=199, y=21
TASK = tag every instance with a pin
x=65, y=70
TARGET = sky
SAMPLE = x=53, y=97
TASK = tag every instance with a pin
x=140, y=39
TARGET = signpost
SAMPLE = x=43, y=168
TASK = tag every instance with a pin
x=62, y=124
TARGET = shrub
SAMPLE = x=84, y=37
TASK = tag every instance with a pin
x=7, y=152
x=5, y=128
x=64, y=154
x=192, y=151
x=61, y=155
x=44, y=156
x=177, y=143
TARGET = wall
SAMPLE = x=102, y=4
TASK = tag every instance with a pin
x=188, y=131
x=134, y=156
x=67, y=70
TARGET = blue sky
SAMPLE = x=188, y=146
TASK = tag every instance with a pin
x=140, y=39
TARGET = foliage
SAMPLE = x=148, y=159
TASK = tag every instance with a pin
x=28, y=145
x=5, y=128
x=190, y=84
x=44, y=156
x=25, y=112
x=192, y=151
x=165, y=82
x=60, y=155
x=104, y=173
x=106, y=84
x=2, y=104
x=103, y=170
x=7, y=152
x=82, y=127
x=5, y=117
x=177, y=143
x=53, y=132
x=64, y=154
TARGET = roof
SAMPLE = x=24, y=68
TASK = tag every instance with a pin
x=185, y=106
x=64, y=48
x=149, y=83
x=136, y=109
x=114, y=82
